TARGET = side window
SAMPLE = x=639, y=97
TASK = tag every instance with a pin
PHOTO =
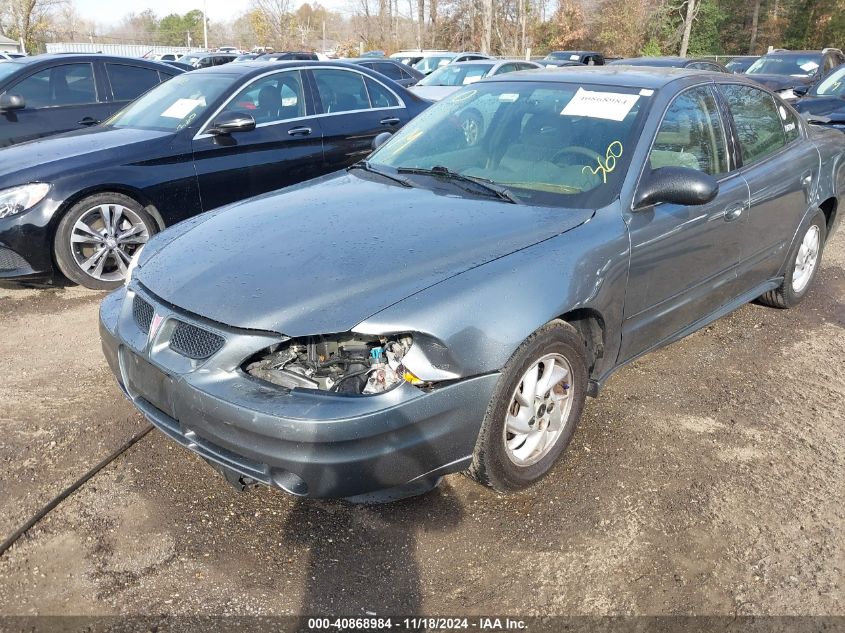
x=388, y=70
x=278, y=97
x=758, y=122
x=205, y=62
x=341, y=90
x=714, y=68
x=691, y=134
x=380, y=97
x=68, y=84
x=791, y=125
x=506, y=68
x=128, y=82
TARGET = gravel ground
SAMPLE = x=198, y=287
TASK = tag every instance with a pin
x=707, y=479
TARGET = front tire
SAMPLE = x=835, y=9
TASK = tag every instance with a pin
x=534, y=410
x=804, y=259
x=98, y=236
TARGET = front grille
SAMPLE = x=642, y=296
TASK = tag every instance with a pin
x=194, y=342
x=143, y=313
x=10, y=260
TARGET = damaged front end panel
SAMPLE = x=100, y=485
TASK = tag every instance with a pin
x=347, y=363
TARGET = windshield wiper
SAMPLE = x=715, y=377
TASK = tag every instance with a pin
x=366, y=166
x=439, y=171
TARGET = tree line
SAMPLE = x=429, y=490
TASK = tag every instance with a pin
x=505, y=27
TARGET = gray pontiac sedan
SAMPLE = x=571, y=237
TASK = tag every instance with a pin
x=448, y=304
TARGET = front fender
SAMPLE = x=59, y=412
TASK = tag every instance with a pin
x=482, y=315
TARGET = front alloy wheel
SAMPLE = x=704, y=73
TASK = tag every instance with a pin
x=534, y=410
x=98, y=237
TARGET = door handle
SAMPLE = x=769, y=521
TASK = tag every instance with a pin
x=734, y=211
x=88, y=121
x=390, y=121
x=299, y=131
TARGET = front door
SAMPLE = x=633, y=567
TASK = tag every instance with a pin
x=684, y=258
x=286, y=146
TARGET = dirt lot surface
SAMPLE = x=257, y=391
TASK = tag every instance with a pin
x=709, y=478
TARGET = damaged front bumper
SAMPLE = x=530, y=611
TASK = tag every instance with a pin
x=305, y=442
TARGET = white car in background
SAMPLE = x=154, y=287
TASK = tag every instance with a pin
x=452, y=77
x=7, y=55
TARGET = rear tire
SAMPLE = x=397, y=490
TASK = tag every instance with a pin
x=541, y=391
x=803, y=260
x=97, y=238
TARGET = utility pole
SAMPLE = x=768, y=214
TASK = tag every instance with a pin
x=324, y=36
x=188, y=33
x=205, y=24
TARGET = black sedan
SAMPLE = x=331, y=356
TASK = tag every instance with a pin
x=391, y=68
x=671, y=62
x=50, y=94
x=792, y=73
x=825, y=102
x=86, y=201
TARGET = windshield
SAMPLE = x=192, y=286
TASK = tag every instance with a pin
x=563, y=55
x=190, y=59
x=427, y=64
x=456, y=75
x=552, y=144
x=833, y=85
x=174, y=104
x=795, y=65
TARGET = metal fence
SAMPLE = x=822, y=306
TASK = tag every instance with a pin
x=126, y=50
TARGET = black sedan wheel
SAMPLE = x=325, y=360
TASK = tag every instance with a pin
x=803, y=264
x=534, y=410
x=98, y=237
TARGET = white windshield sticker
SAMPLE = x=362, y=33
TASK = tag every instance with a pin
x=470, y=80
x=509, y=97
x=646, y=92
x=614, y=106
x=789, y=127
x=182, y=108
x=809, y=66
x=574, y=58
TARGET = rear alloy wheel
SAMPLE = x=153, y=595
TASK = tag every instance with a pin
x=534, y=410
x=803, y=264
x=98, y=237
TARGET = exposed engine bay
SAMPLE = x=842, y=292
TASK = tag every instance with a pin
x=346, y=364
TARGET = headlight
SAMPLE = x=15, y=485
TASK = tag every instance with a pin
x=19, y=199
x=787, y=94
x=346, y=363
x=133, y=263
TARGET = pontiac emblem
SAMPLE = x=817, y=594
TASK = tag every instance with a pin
x=154, y=325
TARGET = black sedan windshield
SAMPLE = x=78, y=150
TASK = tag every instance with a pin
x=174, y=104
x=456, y=75
x=551, y=144
x=795, y=65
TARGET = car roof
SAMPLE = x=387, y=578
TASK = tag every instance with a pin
x=250, y=67
x=784, y=53
x=48, y=58
x=650, y=77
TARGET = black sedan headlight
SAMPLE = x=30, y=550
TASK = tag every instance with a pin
x=18, y=199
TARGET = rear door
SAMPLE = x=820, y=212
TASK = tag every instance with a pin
x=354, y=109
x=59, y=98
x=285, y=148
x=127, y=82
x=781, y=167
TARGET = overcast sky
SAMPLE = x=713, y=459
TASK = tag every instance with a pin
x=109, y=13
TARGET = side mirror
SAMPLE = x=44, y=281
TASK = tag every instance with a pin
x=676, y=185
x=800, y=91
x=229, y=122
x=381, y=139
x=11, y=102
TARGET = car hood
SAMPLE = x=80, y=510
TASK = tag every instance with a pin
x=832, y=107
x=320, y=258
x=41, y=158
x=780, y=82
x=434, y=93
